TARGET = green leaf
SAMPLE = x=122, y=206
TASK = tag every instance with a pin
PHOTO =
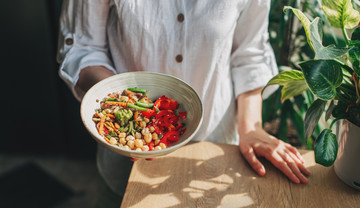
x=347, y=111
x=321, y=52
x=322, y=77
x=304, y=20
x=340, y=13
x=354, y=55
x=312, y=116
x=326, y=148
x=314, y=37
x=329, y=110
x=293, y=82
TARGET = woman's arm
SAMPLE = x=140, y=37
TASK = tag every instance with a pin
x=90, y=76
x=83, y=44
x=256, y=142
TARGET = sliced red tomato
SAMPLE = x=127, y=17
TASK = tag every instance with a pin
x=165, y=103
x=171, y=136
x=148, y=113
x=151, y=145
x=106, y=131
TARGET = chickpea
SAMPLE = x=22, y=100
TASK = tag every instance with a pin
x=148, y=138
x=139, y=143
x=162, y=145
x=157, y=148
x=131, y=144
x=142, y=124
x=152, y=129
x=155, y=136
x=138, y=149
x=113, y=140
x=145, y=148
x=146, y=120
x=122, y=140
x=156, y=142
x=126, y=147
x=122, y=135
x=137, y=135
x=145, y=131
x=130, y=137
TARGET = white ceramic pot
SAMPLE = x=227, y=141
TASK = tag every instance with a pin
x=347, y=164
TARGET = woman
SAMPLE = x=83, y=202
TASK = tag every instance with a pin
x=219, y=47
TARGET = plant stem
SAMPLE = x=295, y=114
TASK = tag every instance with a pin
x=346, y=38
x=334, y=121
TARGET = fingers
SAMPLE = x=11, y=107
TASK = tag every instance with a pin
x=294, y=166
x=283, y=166
x=136, y=159
x=299, y=163
x=250, y=156
x=295, y=151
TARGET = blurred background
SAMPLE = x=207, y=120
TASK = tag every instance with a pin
x=47, y=159
x=46, y=149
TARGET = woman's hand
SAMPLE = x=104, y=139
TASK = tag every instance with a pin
x=285, y=157
x=256, y=142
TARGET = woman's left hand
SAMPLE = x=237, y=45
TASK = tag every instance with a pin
x=285, y=157
x=256, y=142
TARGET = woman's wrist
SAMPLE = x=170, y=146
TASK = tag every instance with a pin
x=249, y=111
x=89, y=76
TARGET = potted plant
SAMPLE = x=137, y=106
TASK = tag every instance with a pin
x=332, y=76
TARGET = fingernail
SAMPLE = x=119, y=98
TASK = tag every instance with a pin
x=261, y=171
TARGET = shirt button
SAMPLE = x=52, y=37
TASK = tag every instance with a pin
x=180, y=17
x=69, y=41
x=179, y=58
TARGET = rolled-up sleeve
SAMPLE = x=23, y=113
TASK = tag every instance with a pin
x=82, y=38
x=253, y=62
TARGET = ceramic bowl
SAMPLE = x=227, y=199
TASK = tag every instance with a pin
x=157, y=85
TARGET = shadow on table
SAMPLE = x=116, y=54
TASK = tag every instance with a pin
x=181, y=181
x=225, y=179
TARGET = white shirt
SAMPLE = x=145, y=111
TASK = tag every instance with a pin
x=223, y=45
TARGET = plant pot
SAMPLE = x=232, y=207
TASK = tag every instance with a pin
x=347, y=164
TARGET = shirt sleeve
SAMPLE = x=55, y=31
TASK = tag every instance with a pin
x=253, y=62
x=82, y=39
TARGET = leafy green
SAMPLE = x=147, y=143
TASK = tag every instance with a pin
x=314, y=37
x=326, y=148
x=340, y=13
x=322, y=77
x=304, y=20
x=293, y=82
x=312, y=116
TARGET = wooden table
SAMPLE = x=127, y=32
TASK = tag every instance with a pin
x=215, y=175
